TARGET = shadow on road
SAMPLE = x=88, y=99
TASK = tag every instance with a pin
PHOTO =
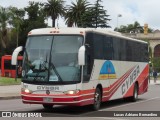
x=74, y=111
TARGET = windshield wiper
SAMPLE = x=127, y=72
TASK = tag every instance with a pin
x=57, y=74
x=52, y=65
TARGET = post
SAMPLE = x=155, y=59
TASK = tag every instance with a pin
x=16, y=72
x=119, y=15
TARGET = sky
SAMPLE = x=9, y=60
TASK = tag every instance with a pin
x=143, y=11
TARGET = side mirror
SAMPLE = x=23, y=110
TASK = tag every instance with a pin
x=15, y=55
x=81, y=56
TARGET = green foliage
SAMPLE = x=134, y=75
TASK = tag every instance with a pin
x=86, y=18
x=156, y=63
x=17, y=17
x=99, y=17
x=9, y=81
x=83, y=14
x=75, y=12
x=132, y=28
x=36, y=19
x=54, y=9
x=4, y=18
x=17, y=35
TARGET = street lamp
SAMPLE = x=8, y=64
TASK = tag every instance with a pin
x=119, y=15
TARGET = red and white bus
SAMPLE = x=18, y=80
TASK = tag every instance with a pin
x=80, y=66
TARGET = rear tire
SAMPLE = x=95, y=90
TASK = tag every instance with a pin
x=47, y=106
x=97, y=99
x=135, y=93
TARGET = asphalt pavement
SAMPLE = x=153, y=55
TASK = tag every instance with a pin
x=13, y=91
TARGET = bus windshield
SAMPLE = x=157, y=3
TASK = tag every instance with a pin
x=52, y=59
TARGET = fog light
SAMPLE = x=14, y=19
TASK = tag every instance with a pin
x=71, y=92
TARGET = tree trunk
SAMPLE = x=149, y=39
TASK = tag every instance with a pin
x=17, y=37
x=3, y=43
x=70, y=24
x=53, y=21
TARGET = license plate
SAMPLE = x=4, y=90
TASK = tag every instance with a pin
x=47, y=100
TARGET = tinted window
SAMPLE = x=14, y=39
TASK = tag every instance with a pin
x=98, y=46
x=122, y=50
x=108, y=48
x=115, y=48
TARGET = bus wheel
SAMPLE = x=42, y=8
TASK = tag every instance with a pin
x=97, y=99
x=47, y=106
x=135, y=93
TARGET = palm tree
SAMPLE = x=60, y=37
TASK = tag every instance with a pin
x=75, y=12
x=69, y=19
x=54, y=9
x=4, y=17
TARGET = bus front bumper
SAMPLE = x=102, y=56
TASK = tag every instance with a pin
x=79, y=100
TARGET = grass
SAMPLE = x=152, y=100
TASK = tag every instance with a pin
x=9, y=81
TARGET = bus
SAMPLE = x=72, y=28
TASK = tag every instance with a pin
x=81, y=66
x=8, y=70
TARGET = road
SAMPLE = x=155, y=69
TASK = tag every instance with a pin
x=149, y=101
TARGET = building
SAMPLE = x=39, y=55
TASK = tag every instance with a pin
x=153, y=38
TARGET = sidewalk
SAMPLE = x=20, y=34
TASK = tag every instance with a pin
x=13, y=91
x=152, y=82
x=10, y=92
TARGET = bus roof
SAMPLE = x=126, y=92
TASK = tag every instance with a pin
x=82, y=31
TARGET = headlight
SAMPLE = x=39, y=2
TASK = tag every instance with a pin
x=71, y=92
x=26, y=91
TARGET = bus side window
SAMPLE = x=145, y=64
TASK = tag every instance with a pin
x=88, y=57
x=87, y=67
x=108, y=48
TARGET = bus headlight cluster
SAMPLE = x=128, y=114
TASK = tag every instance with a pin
x=26, y=91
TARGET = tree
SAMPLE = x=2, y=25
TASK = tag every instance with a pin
x=17, y=16
x=99, y=16
x=35, y=11
x=4, y=17
x=11, y=41
x=36, y=19
x=87, y=18
x=54, y=9
x=132, y=28
x=75, y=12
x=156, y=63
x=69, y=19
x=83, y=14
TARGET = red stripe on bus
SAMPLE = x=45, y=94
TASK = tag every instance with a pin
x=142, y=82
x=119, y=83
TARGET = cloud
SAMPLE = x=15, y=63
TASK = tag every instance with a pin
x=143, y=11
x=17, y=3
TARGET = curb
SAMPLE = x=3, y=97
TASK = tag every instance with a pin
x=10, y=97
x=154, y=83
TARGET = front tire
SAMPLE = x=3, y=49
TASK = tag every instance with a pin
x=47, y=106
x=97, y=99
